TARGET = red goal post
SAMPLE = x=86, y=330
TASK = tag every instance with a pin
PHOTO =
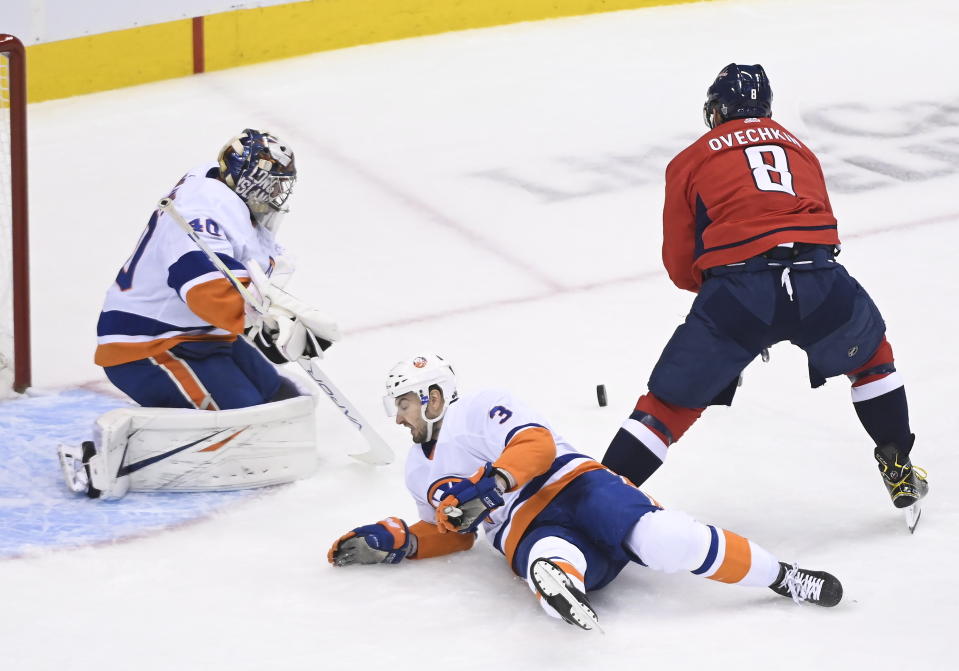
x=14, y=262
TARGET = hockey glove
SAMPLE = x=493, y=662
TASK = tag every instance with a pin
x=469, y=501
x=386, y=542
x=290, y=329
x=281, y=339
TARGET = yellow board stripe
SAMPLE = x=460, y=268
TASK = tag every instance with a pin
x=109, y=61
x=162, y=51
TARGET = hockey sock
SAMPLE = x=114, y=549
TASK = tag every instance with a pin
x=879, y=398
x=640, y=445
x=672, y=541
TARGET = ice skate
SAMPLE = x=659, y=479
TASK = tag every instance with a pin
x=817, y=587
x=74, y=465
x=562, y=595
x=906, y=484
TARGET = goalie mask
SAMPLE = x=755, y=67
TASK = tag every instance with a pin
x=739, y=92
x=261, y=171
x=418, y=374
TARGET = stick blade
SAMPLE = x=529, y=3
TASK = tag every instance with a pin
x=374, y=458
x=378, y=454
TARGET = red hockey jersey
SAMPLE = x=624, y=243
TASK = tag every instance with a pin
x=742, y=188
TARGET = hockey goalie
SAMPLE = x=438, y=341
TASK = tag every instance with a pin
x=178, y=336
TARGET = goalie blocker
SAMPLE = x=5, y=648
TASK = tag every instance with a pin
x=174, y=449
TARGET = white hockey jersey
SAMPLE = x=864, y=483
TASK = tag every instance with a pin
x=168, y=291
x=493, y=426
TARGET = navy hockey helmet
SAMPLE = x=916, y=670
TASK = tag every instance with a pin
x=739, y=92
x=260, y=169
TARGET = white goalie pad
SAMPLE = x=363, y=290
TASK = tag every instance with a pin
x=171, y=449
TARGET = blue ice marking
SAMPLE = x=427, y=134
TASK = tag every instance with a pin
x=37, y=510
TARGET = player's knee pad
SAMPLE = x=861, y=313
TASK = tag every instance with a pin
x=172, y=449
x=669, y=541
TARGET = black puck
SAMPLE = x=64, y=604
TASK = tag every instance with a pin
x=601, y=395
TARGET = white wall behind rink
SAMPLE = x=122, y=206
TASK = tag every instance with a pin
x=36, y=21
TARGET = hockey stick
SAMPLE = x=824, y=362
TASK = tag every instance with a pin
x=379, y=451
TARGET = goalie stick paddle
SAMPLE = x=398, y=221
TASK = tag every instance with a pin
x=379, y=452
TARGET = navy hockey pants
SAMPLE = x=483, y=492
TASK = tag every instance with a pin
x=810, y=300
x=204, y=375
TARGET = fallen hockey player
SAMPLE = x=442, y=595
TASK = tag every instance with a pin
x=563, y=521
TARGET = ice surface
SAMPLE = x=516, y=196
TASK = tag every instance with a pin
x=495, y=195
x=37, y=511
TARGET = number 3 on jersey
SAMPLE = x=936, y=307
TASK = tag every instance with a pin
x=763, y=172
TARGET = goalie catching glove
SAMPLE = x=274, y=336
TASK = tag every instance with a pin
x=386, y=542
x=289, y=329
x=469, y=501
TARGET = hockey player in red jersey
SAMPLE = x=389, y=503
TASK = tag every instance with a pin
x=748, y=227
x=562, y=521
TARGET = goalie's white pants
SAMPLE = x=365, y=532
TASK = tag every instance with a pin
x=173, y=449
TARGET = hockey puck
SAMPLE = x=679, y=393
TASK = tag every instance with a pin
x=601, y=395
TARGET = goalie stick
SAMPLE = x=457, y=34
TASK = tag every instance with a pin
x=379, y=452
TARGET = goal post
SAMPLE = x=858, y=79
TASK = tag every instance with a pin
x=14, y=261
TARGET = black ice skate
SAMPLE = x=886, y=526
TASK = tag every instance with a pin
x=905, y=483
x=818, y=587
x=562, y=595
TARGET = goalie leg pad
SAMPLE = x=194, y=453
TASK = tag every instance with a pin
x=172, y=449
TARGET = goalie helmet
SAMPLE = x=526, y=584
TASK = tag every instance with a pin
x=739, y=92
x=261, y=170
x=418, y=374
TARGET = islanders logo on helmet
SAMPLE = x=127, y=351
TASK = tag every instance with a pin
x=420, y=362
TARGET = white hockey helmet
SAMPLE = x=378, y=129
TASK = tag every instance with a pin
x=418, y=374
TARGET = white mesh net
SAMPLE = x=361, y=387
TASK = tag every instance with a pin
x=6, y=223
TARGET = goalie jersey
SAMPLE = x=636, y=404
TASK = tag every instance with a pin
x=493, y=426
x=168, y=291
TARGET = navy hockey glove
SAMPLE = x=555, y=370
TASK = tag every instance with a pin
x=469, y=501
x=386, y=542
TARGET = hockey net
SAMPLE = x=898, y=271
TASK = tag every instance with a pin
x=14, y=290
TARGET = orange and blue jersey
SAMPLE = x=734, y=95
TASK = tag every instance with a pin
x=169, y=292
x=739, y=190
x=493, y=426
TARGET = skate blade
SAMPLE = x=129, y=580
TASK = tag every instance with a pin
x=71, y=465
x=552, y=585
x=913, y=513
